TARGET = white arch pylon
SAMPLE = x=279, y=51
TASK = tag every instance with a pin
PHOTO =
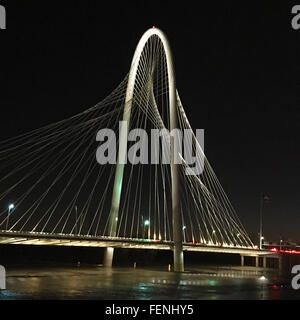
x=114, y=211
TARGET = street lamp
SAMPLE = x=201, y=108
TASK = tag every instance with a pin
x=214, y=236
x=184, y=238
x=146, y=227
x=261, y=239
x=10, y=208
x=76, y=219
x=263, y=199
x=280, y=244
x=261, y=221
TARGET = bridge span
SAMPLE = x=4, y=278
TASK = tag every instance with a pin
x=71, y=240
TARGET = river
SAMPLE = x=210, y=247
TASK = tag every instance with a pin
x=96, y=282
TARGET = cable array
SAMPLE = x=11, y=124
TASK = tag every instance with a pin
x=52, y=176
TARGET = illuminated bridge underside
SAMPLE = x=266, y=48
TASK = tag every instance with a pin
x=27, y=238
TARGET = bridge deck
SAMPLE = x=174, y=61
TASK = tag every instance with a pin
x=46, y=239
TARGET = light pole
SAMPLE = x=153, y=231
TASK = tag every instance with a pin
x=214, y=237
x=184, y=237
x=146, y=227
x=80, y=222
x=261, y=239
x=76, y=223
x=263, y=199
x=260, y=221
x=10, y=208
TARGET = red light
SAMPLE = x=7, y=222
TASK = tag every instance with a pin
x=153, y=27
x=275, y=287
x=290, y=251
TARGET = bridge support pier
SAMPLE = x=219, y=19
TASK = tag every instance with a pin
x=108, y=257
x=264, y=262
x=257, y=261
x=242, y=260
x=280, y=263
x=177, y=223
x=178, y=259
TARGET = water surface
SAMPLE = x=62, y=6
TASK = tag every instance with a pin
x=96, y=282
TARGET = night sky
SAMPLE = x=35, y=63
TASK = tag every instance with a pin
x=238, y=75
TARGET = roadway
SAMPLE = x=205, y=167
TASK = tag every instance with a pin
x=47, y=239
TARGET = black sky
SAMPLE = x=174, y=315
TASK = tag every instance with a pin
x=238, y=75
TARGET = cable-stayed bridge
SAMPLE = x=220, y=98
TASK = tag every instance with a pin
x=54, y=192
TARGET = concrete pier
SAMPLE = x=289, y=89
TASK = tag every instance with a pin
x=264, y=262
x=257, y=261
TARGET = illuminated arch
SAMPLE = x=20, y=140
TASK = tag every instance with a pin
x=113, y=220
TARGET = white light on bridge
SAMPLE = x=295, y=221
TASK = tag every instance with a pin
x=11, y=206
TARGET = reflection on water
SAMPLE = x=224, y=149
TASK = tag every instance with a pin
x=126, y=283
